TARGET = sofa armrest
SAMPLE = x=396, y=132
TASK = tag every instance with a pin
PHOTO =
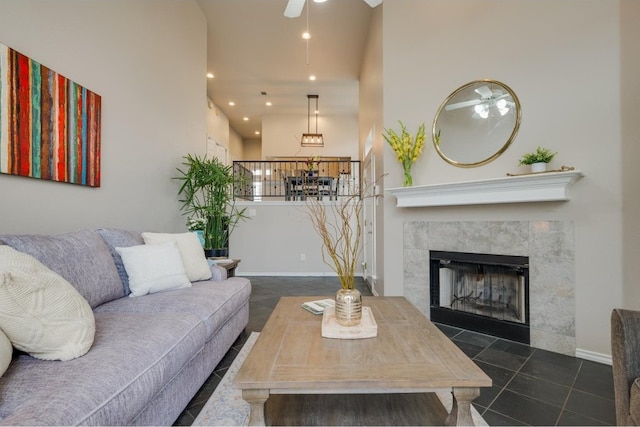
x=218, y=273
x=635, y=402
x=625, y=355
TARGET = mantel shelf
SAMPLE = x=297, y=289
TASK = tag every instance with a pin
x=540, y=187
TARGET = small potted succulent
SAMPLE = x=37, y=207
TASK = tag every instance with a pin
x=538, y=159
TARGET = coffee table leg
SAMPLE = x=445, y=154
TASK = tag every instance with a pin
x=256, y=400
x=460, y=414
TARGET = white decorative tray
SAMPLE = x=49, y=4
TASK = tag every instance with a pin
x=368, y=328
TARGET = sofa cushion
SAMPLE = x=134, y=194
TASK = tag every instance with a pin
x=81, y=257
x=212, y=302
x=133, y=358
x=195, y=263
x=115, y=237
x=6, y=352
x=154, y=268
x=41, y=313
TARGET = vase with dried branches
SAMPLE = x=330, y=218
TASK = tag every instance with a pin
x=339, y=224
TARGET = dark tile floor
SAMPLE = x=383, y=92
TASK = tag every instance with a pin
x=530, y=386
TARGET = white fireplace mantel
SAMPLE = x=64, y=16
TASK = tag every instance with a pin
x=540, y=187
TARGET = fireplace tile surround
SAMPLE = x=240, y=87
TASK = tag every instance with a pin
x=551, y=251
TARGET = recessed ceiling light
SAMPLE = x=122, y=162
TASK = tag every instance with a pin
x=306, y=35
x=210, y=75
x=312, y=77
x=257, y=132
x=246, y=119
x=319, y=1
x=268, y=104
x=232, y=103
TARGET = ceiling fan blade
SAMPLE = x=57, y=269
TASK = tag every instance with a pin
x=294, y=8
x=484, y=92
x=462, y=104
x=373, y=3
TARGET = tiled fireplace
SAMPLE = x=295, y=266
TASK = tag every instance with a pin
x=481, y=292
x=548, y=245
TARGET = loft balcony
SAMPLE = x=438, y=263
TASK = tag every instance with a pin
x=296, y=179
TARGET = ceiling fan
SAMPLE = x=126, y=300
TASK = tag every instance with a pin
x=486, y=96
x=294, y=7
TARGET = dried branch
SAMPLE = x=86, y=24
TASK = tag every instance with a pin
x=339, y=224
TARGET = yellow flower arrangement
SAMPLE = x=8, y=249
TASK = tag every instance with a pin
x=407, y=148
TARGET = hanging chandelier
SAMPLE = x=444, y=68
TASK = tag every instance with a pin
x=312, y=139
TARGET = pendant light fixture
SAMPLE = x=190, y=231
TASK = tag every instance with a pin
x=312, y=139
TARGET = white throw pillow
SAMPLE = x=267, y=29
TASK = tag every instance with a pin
x=153, y=268
x=6, y=352
x=40, y=312
x=195, y=263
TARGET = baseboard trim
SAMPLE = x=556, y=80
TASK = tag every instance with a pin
x=371, y=281
x=593, y=356
x=289, y=274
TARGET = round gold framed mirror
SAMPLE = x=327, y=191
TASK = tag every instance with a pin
x=476, y=123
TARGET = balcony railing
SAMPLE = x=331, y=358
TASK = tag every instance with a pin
x=292, y=180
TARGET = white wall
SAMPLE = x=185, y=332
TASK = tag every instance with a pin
x=236, y=146
x=273, y=240
x=217, y=123
x=147, y=59
x=562, y=58
x=371, y=120
x=281, y=136
x=630, y=92
x=252, y=149
x=218, y=130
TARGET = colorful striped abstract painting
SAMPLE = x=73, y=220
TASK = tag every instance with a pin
x=49, y=125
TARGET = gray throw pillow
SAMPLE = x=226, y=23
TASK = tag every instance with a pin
x=81, y=257
x=114, y=238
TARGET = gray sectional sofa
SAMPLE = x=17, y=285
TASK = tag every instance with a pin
x=150, y=354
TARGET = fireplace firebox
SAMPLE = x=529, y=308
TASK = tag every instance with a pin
x=481, y=292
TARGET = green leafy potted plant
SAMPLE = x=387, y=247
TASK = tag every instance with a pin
x=207, y=193
x=538, y=159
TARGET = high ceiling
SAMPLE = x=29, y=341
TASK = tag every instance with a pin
x=254, y=48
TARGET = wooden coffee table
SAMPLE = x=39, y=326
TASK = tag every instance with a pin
x=408, y=360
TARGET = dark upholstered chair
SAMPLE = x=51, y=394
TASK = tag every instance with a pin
x=625, y=353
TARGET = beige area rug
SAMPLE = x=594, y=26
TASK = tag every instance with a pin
x=226, y=407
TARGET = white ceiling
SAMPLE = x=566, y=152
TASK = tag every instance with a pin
x=253, y=47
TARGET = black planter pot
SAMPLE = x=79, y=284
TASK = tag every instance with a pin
x=216, y=253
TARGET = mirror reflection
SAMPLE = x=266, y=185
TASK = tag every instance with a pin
x=476, y=123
